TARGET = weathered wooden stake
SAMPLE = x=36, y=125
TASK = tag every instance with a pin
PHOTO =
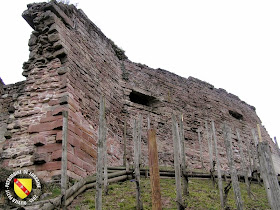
x=136, y=139
x=149, y=123
x=259, y=132
x=99, y=167
x=154, y=170
x=64, y=177
x=176, y=140
x=183, y=157
x=105, y=156
x=243, y=166
x=249, y=155
x=255, y=138
x=220, y=181
x=139, y=135
x=233, y=173
x=226, y=191
x=209, y=145
x=268, y=174
x=255, y=156
x=200, y=148
x=210, y=148
x=124, y=144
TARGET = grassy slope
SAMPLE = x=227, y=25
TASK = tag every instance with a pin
x=202, y=196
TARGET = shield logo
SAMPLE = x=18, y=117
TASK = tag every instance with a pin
x=22, y=187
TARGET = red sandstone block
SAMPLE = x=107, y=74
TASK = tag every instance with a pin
x=89, y=138
x=53, y=102
x=39, y=140
x=75, y=130
x=70, y=166
x=73, y=116
x=73, y=103
x=89, y=167
x=75, y=160
x=48, y=114
x=58, y=136
x=50, y=166
x=50, y=119
x=49, y=133
x=88, y=149
x=45, y=126
x=26, y=113
x=85, y=130
x=58, y=110
x=40, y=158
x=74, y=141
x=71, y=139
x=92, y=140
x=82, y=155
x=56, y=155
x=79, y=171
x=49, y=148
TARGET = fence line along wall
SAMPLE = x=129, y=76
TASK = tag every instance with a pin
x=71, y=63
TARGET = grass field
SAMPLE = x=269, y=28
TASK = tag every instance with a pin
x=202, y=196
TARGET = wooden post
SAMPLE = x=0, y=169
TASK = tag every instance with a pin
x=105, y=156
x=139, y=135
x=175, y=134
x=233, y=173
x=220, y=181
x=183, y=157
x=249, y=155
x=139, y=204
x=149, y=123
x=200, y=148
x=209, y=145
x=64, y=177
x=210, y=148
x=268, y=173
x=255, y=138
x=259, y=132
x=269, y=177
x=99, y=167
x=243, y=166
x=255, y=156
x=154, y=170
x=124, y=144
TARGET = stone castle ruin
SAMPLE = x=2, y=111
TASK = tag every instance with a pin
x=72, y=63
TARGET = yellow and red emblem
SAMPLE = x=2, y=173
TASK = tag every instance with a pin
x=22, y=187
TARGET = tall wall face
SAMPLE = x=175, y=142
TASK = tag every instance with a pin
x=71, y=64
x=198, y=101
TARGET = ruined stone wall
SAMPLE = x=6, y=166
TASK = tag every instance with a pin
x=94, y=70
x=26, y=105
x=71, y=64
x=198, y=101
x=34, y=117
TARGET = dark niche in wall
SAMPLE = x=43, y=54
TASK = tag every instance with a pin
x=236, y=115
x=141, y=98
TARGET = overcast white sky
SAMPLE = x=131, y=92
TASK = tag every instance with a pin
x=233, y=45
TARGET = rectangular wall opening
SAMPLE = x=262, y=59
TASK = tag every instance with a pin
x=141, y=98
